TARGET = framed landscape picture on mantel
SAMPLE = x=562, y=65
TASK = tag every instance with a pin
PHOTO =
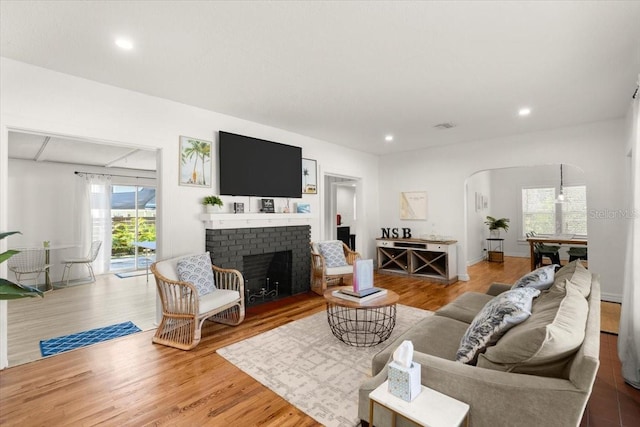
x=309, y=177
x=195, y=162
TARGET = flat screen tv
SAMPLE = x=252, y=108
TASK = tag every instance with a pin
x=256, y=167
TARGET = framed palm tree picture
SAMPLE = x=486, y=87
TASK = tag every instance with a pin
x=309, y=178
x=195, y=162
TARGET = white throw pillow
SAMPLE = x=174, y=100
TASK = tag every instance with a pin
x=333, y=253
x=541, y=278
x=497, y=316
x=197, y=270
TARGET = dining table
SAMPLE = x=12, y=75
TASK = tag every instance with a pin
x=561, y=239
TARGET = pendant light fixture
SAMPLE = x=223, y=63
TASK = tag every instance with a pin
x=561, y=198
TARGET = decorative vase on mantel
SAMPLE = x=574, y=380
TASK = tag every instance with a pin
x=211, y=209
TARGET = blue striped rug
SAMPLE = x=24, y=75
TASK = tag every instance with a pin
x=82, y=339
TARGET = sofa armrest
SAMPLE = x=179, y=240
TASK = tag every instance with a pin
x=495, y=397
x=498, y=288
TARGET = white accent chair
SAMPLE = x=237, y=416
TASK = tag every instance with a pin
x=323, y=276
x=184, y=312
x=28, y=262
x=70, y=262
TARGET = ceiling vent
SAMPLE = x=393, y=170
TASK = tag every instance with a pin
x=447, y=125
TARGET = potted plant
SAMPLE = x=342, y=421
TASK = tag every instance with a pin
x=10, y=290
x=496, y=224
x=212, y=203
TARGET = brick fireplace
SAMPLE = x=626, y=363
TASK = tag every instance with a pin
x=275, y=261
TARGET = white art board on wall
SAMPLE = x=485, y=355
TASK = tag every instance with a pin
x=413, y=205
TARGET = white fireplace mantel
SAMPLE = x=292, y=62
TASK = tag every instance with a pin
x=249, y=220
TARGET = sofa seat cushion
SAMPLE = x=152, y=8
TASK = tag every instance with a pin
x=543, y=343
x=217, y=299
x=577, y=274
x=335, y=271
x=435, y=335
x=465, y=307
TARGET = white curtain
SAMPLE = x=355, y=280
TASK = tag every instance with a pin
x=94, y=222
x=629, y=336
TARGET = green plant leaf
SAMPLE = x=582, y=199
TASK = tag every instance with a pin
x=6, y=255
x=8, y=233
x=9, y=291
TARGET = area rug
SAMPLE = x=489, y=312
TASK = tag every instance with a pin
x=310, y=368
x=82, y=339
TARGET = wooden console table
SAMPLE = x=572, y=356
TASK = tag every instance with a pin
x=561, y=240
x=436, y=260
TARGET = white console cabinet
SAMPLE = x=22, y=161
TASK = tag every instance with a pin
x=436, y=260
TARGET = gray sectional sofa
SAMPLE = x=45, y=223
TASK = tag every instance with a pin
x=533, y=376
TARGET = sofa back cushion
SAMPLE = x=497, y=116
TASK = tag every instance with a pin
x=545, y=342
x=577, y=274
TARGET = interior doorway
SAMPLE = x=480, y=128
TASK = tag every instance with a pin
x=342, y=206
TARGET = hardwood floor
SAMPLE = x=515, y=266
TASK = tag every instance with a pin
x=78, y=308
x=130, y=381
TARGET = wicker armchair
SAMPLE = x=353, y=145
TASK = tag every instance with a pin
x=183, y=312
x=322, y=276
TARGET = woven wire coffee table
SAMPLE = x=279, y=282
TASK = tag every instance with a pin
x=361, y=324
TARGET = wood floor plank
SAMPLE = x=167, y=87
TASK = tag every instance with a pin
x=130, y=381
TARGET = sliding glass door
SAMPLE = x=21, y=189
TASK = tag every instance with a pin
x=133, y=219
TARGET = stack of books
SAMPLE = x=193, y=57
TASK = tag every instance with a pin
x=359, y=296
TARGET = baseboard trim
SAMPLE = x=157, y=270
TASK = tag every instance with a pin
x=605, y=296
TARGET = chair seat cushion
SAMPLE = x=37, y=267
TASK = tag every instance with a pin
x=216, y=299
x=335, y=271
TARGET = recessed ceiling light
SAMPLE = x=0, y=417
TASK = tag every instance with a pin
x=124, y=44
x=388, y=138
x=524, y=111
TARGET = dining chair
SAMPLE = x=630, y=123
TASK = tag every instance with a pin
x=91, y=256
x=28, y=262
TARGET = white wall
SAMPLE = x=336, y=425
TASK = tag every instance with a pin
x=345, y=196
x=36, y=99
x=597, y=148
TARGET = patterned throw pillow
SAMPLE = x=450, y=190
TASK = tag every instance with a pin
x=333, y=253
x=542, y=278
x=197, y=270
x=496, y=317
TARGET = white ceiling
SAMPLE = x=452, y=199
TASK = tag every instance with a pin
x=351, y=72
x=43, y=148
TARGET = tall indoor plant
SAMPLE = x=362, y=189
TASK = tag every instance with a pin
x=10, y=290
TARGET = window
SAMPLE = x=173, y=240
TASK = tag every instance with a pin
x=574, y=210
x=542, y=215
x=538, y=210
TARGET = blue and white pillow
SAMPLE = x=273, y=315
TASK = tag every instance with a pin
x=197, y=270
x=542, y=278
x=498, y=316
x=333, y=253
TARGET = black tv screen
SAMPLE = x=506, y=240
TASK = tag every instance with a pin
x=256, y=167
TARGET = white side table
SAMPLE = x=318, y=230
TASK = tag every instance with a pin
x=430, y=409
